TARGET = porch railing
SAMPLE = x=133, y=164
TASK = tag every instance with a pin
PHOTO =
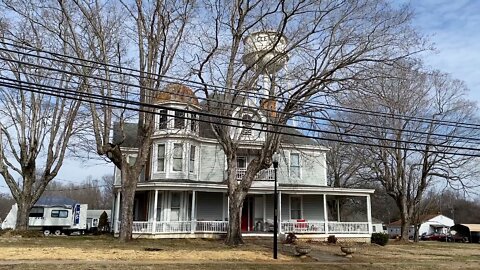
x=348, y=227
x=211, y=226
x=173, y=226
x=145, y=227
x=303, y=227
x=142, y=227
x=267, y=174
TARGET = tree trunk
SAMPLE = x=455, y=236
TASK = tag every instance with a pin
x=128, y=197
x=234, y=232
x=22, y=215
x=405, y=224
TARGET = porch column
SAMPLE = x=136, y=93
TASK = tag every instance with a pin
x=192, y=215
x=369, y=214
x=117, y=212
x=325, y=213
x=279, y=211
x=155, y=203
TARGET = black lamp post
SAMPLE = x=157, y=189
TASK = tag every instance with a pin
x=275, y=207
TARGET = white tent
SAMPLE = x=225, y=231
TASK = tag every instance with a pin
x=11, y=218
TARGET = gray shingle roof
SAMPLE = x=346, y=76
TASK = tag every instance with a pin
x=130, y=131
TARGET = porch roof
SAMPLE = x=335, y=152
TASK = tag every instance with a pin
x=261, y=189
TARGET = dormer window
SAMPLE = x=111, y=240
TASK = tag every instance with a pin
x=163, y=119
x=179, y=121
x=193, y=122
x=247, y=125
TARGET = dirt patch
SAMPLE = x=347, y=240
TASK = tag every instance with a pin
x=107, y=253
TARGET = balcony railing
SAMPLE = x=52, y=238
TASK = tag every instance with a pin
x=263, y=175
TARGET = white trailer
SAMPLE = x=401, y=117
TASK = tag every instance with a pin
x=52, y=219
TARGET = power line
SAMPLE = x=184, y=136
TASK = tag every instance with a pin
x=245, y=106
x=65, y=94
x=313, y=103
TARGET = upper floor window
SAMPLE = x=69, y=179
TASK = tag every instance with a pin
x=295, y=165
x=161, y=158
x=193, y=122
x=241, y=163
x=247, y=125
x=192, y=159
x=179, y=121
x=177, y=157
x=163, y=119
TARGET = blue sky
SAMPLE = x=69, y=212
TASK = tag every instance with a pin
x=452, y=25
x=454, y=28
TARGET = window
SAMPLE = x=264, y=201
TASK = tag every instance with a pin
x=159, y=207
x=193, y=122
x=179, y=120
x=161, y=158
x=247, y=125
x=295, y=165
x=175, y=207
x=131, y=160
x=177, y=157
x=59, y=213
x=241, y=162
x=192, y=159
x=295, y=207
x=36, y=212
x=163, y=119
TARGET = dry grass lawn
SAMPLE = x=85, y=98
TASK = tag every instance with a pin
x=102, y=252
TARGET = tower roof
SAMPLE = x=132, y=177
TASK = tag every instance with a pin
x=176, y=93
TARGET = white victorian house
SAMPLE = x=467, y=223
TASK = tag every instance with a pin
x=182, y=192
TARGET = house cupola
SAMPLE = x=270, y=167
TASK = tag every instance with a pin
x=176, y=93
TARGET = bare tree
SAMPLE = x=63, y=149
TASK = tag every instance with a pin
x=156, y=29
x=326, y=43
x=36, y=128
x=405, y=154
x=107, y=33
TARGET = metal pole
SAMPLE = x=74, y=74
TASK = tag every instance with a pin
x=275, y=210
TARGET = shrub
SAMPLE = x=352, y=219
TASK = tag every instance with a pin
x=379, y=239
x=332, y=239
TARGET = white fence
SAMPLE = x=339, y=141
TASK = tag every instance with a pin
x=303, y=227
x=267, y=174
x=348, y=227
x=212, y=226
x=147, y=227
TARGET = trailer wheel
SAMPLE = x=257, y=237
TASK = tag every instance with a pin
x=58, y=232
x=46, y=232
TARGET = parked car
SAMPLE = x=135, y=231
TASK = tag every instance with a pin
x=453, y=238
x=432, y=237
